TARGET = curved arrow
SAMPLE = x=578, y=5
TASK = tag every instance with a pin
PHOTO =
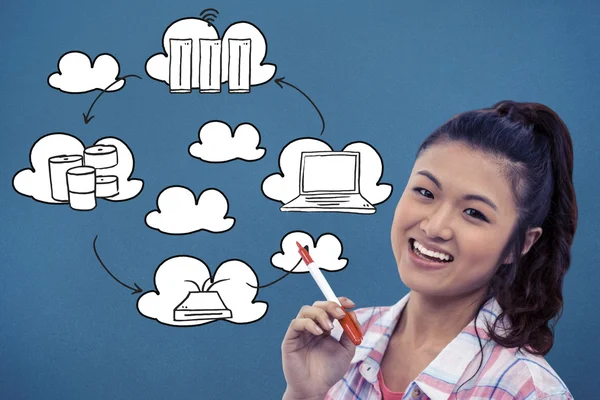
x=87, y=118
x=278, y=279
x=137, y=289
x=279, y=81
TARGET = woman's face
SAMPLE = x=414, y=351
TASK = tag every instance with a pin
x=470, y=230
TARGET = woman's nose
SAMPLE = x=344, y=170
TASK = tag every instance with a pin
x=437, y=224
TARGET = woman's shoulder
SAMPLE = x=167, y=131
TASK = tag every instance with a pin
x=546, y=381
x=524, y=374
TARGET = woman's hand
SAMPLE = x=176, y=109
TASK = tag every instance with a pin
x=312, y=360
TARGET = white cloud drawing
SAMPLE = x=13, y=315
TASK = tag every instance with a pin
x=284, y=186
x=78, y=74
x=35, y=182
x=325, y=253
x=179, y=212
x=216, y=143
x=176, y=277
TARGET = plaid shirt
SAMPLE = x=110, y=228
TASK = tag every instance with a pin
x=504, y=373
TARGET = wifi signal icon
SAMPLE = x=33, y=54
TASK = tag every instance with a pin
x=209, y=15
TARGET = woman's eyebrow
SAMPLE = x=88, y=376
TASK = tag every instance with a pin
x=465, y=197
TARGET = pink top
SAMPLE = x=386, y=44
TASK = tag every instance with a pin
x=386, y=393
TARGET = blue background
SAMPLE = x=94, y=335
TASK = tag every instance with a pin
x=387, y=73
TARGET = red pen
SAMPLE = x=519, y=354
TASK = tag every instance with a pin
x=348, y=323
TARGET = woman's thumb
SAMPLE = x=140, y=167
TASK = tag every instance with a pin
x=348, y=344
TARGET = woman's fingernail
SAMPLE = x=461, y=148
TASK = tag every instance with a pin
x=351, y=302
x=340, y=312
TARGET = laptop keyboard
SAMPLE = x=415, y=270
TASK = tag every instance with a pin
x=328, y=199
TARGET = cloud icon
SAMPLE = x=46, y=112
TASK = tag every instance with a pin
x=179, y=212
x=326, y=252
x=54, y=154
x=78, y=74
x=216, y=143
x=285, y=186
x=186, y=295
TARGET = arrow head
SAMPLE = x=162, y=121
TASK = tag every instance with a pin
x=138, y=289
x=279, y=80
x=86, y=119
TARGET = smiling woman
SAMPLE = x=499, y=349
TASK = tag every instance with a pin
x=482, y=237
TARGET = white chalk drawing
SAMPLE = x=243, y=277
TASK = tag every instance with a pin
x=179, y=213
x=238, y=65
x=195, y=57
x=134, y=290
x=121, y=172
x=209, y=15
x=210, y=66
x=64, y=171
x=314, y=178
x=78, y=74
x=327, y=252
x=234, y=38
x=218, y=143
x=186, y=294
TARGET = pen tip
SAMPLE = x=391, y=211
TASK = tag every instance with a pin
x=298, y=244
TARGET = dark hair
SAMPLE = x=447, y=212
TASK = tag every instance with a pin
x=533, y=146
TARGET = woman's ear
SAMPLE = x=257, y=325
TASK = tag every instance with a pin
x=532, y=236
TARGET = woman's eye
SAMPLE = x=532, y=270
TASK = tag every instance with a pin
x=476, y=213
x=419, y=190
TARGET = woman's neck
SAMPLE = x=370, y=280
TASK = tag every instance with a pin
x=430, y=323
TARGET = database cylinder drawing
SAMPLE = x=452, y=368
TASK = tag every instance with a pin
x=81, y=182
x=100, y=156
x=58, y=167
x=107, y=186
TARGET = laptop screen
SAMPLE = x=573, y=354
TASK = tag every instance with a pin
x=329, y=172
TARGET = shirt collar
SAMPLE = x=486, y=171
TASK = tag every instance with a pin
x=450, y=363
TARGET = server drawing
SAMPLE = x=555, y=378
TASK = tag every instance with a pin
x=196, y=58
x=201, y=306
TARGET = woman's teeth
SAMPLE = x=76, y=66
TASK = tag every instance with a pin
x=430, y=255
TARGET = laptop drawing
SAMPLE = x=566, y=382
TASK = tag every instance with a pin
x=329, y=181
